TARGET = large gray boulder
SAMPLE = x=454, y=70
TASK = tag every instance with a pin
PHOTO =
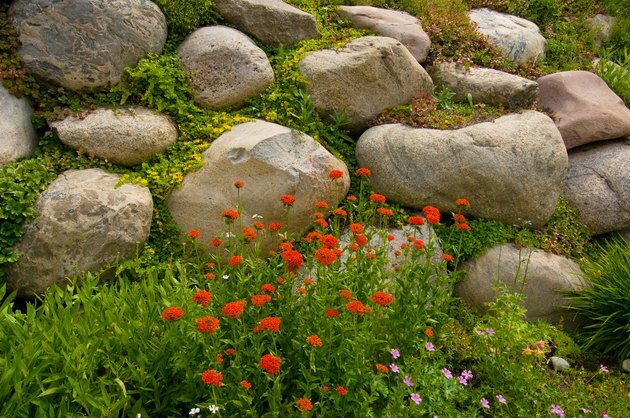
x=392, y=23
x=518, y=39
x=511, y=170
x=272, y=160
x=125, y=137
x=226, y=67
x=273, y=22
x=84, y=223
x=601, y=27
x=363, y=78
x=545, y=277
x=86, y=43
x=584, y=108
x=598, y=186
x=18, y=138
x=485, y=85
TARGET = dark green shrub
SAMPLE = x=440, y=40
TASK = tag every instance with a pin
x=183, y=17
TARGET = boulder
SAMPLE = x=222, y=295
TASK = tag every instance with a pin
x=511, y=170
x=485, y=85
x=598, y=185
x=626, y=365
x=545, y=275
x=124, y=137
x=84, y=223
x=584, y=108
x=272, y=160
x=273, y=22
x=86, y=43
x=559, y=364
x=363, y=78
x=517, y=38
x=601, y=26
x=226, y=67
x=18, y=138
x=392, y=23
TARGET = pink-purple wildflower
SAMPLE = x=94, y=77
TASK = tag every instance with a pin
x=416, y=398
x=394, y=368
x=603, y=368
x=556, y=409
x=395, y=353
x=447, y=373
x=429, y=346
x=485, y=403
x=490, y=331
x=407, y=380
x=462, y=380
x=501, y=399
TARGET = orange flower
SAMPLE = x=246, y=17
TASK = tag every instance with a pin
x=202, y=297
x=352, y=198
x=361, y=240
x=268, y=287
x=274, y=226
x=321, y=204
x=302, y=290
x=382, y=298
x=293, y=259
x=216, y=241
x=459, y=218
x=212, y=377
x=235, y=260
x=325, y=388
x=234, y=309
x=377, y=198
x=230, y=352
x=219, y=358
x=354, y=246
x=270, y=363
x=318, y=215
x=193, y=233
x=340, y=212
x=325, y=256
x=259, y=225
x=308, y=282
x=356, y=228
x=418, y=244
x=384, y=212
x=269, y=323
x=465, y=227
x=370, y=256
x=462, y=202
x=390, y=237
x=172, y=313
x=332, y=313
x=432, y=214
x=382, y=368
x=304, y=404
x=335, y=174
x=447, y=257
x=403, y=245
x=239, y=184
x=357, y=308
x=280, y=280
x=364, y=172
x=261, y=300
x=346, y=294
x=416, y=220
x=429, y=332
x=342, y=391
x=249, y=234
x=314, y=340
x=210, y=276
x=288, y=199
x=329, y=241
x=230, y=215
x=321, y=222
x=246, y=385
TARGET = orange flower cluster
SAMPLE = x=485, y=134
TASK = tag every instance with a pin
x=314, y=340
x=384, y=212
x=321, y=222
x=270, y=363
x=382, y=298
x=268, y=287
x=304, y=404
x=274, y=226
x=249, y=234
x=321, y=204
x=259, y=225
x=212, y=377
x=288, y=199
x=246, y=385
x=261, y=300
x=216, y=241
x=293, y=259
x=447, y=257
x=329, y=241
x=377, y=198
x=361, y=239
x=202, y=297
x=172, y=313
x=234, y=309
x=356, y=228
x=230, y=215
x=269, y=323
x=357, y=308
x=382, y=368
x=462, y=202
x=326, y=256
x=342, y=391
x=363, y=172
x=432, y=214
x=416, y=220
x=239, y=184
x=346, y=294
x=332, y=313
x=207, y=324
x=193, y=233
x=235, y=260
x=335, y=174
x=340, y=212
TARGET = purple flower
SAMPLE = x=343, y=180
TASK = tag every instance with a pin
x=605, y=415
x=395, y=353
x=490, y=331
x=603, y=368
x=394, y=368
x=416, y=398
x=447, y=373
x=408, y=381
x=555, y=409
x=478, y=332
x=462, y=380
x=485, y=403
x=429, y=347
x=501, y=399
x=467, y=374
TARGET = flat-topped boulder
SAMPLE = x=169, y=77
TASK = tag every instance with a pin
x=363, y=78
x=86, y=43
x=511, y=170
x=126, y=136
x=518, y=39
x=485, y=85
x=584, y=108
x=226, y=67
x=18, y=138
x=392, y=23
x=84, y=223
x=273, y=22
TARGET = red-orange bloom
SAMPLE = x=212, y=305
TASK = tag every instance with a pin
x=329, y=241
x=370, y=256
x=352, y=198
x=390, y=237
x=382, y=298
x=288, y=199
x=361, y=240
x=382, y=368
x=308, y=282
x=202, y=297
x=332, y=313
x=280, y=280
x=346, y=294
x=230, y=352
x=464, y=227
x=219, y=358
x=234, y=309
x=193, y=233
x=318, y=215
x=246, y=385
x=429, y=332
x=340, y=212
x=335, y=174
x=230, y=215
x=321, y=222
x=314, y=340
x=239, y=184
x=293, y=259
x=377, y=198
x=321, y=204
x=249, y=234
x=459, y=218
x=304, y=404
x=342, y=391
x=418, y=244
x=216, y=241
x=172, y=313
x=357, y=308
x=384, y=212
x=212, y=377
x=462, y=202
x=416, y=220
x=432, y=214
x=356, y=228
x=268, y=287
x=259, y=225
x=364, y=172
x=210, y=276
x=235, y=260
x=270, y=363
x=447, y=257
x=354, y=246
x=274, y=226
x=261, y=300
x=269, y=323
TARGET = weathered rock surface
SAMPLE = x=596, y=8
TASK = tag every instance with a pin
x=511, y=170
x=601, y=26
x=17, y=136
x=85, y=222
x=585, y=109
x=125, y=137
x=392, y=23
x=626, y=365
x=517, y=38
x=363, y=78
x=484, y=84
x=272, y=160
x=559, y=364
x=547, y=276
x=226, y=67
x=86, y=43
x=273, y=22
x=598, y=186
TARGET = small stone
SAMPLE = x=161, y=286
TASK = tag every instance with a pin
x=559, y=364
x=626, y=365
x=18, y=138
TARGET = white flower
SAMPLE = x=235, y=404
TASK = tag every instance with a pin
x=256, y=216
x=194, y=411
x=229, y=235
x=226, y=276
x=213, y=408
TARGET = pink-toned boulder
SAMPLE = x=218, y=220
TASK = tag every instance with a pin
x=584, y=108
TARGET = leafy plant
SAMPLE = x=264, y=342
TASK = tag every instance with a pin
x=444, y=98
x=616, y=73
x=183, y=17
